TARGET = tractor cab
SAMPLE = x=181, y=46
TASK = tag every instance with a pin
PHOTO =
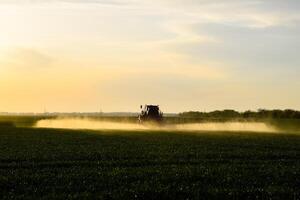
x=150, y=113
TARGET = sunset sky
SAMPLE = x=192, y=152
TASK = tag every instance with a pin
x=113, y=55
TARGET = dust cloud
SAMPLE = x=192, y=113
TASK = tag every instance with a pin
x=66, y=123
x=228, y=126
x=69, y=123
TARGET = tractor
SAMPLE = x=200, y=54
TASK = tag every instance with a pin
x=150, y=113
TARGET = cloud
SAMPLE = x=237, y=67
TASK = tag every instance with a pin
x=27, y=58
x=246, y=13
x=247, y=45
x=103, y=2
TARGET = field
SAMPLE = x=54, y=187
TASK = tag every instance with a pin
x=85, y=164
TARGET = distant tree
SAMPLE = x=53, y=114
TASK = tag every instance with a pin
x=230, y=114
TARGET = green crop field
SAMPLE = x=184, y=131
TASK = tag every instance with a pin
x=84, y=164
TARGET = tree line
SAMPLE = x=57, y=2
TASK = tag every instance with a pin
x=261, y=113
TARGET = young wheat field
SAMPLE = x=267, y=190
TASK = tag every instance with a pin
x=138, y=164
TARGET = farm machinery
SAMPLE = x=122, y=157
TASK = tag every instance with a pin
x=150, y=113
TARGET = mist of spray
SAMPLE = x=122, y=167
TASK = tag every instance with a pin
x=73, y=123
x=228, y=126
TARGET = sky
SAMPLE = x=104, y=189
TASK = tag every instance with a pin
x=114, y=55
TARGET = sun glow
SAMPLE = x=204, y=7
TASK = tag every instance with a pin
x=94, y=54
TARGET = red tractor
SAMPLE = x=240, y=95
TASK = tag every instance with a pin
x=150, y=113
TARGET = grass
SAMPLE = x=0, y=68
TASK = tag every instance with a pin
x=81, y=164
